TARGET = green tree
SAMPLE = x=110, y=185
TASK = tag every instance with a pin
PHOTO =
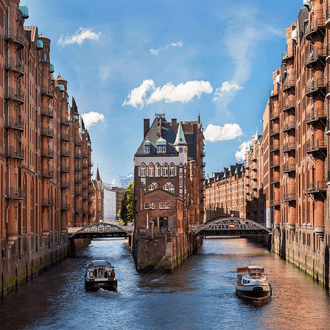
x=126, y=212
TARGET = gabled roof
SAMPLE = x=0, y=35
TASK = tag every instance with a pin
x=160, y=130
x=97, y=175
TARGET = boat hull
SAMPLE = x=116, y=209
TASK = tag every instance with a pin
x=96, y=285
x=257, y=293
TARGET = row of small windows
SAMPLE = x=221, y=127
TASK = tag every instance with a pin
x=158, y=171
x=167, y=186
x=162, y=206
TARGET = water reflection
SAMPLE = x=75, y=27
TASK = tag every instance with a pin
x=200, y=294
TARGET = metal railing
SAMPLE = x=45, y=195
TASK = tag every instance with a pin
x=314, y=55
x=287, y=105
x=316, y=186
x=13, y=94
x=15, y=65
x=274, y=147
x=14, y=152
x=47, y=153
x=289, y=147
x=65, y=169
x=274, y=115
x=289, y=82
x=289, y=125
x=315, y=145
x=49, y=91
x=289, y=168
x=314, y=115
x=275, y=164
x=65, y=153
x=313, y=26
x=274, y=131
x=47, y=111
x=314, y=85
x=48, y=202
x=14, y=123
x=14, y=193
x=47, y=131
x=289, y=197
x=10, y=34
x=65, y=137
x=47, y=173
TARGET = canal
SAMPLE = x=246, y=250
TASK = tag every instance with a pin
x=199, y=295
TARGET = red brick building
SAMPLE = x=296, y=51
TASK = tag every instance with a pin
x=45, y=152
x=168, y=180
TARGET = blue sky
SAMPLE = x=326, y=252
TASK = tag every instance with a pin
x=126, y=60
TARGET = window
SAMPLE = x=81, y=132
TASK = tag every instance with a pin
x=172, y=189
x=152, y=206
x=146, y=206
x=167, y=206
x=161, y=206
x=153, y=186
x=143, y=170
x=165, y=170
x=157, y=170
x=151, y=170
x=172, y=170
x=45, y=57
x=169, y=187
x=147, y=149
x=161, y=149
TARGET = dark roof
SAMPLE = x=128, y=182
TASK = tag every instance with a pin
x=97, y=175
x=160, y=128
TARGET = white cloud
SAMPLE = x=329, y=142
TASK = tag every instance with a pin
x=113, y=183
x=92, y=118
x=163, y=49
x=136, y=98
x=241, y=152
x=79, y=37
x=226, y=88
x=215, y=133
x=183, y=92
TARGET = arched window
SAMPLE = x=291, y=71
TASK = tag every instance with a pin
x=151, y=170
x=172, y=189
x=157, y=170
x=165, y=170
x=172, y=170
x=153, y=186
x=143, y=170
x=169, y=187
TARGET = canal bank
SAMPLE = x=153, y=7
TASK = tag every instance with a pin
x=19, y=264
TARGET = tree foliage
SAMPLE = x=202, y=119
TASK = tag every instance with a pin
x=126, y=212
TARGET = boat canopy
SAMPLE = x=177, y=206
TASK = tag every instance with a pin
x=250, y=270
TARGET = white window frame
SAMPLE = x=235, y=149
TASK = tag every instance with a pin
x=143, y=170
x=157, y=170
x=165, y=170
x=151, y=170
x=172, y=170
x=161, y=149
x=147, y=149
x=172, y=189
x=161, y=206
x=146, y=206
x=167, y=206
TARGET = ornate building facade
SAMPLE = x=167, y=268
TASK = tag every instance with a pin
x=45, y=153
x=168, y=180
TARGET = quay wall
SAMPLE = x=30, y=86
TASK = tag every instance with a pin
x=19, y=267
x=163, y=252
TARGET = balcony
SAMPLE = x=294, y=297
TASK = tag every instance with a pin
x=290, y=146
x=85, y=175
x=78, y=210
x=65, y=153
x=275, y=179
x=46, y=131
x=65, y=207
x=65, y=122
x=65, y=169
x=14, y=95
x=48, y=91
x=47, y=173
x=77, y=154
x=77, y=168
x=14, y=65
x=85, y=165
x=288, y=105
x=47, y=153
x=65, y=137
x=14, y=123
x=77, y=181
x=12, y=36
x=77, y=142
x=289, y=197
x=314, y=56
x=287, y=56
x=274, y=115
x=14, y=152
x=289, y=125
x=47, y=112
x=273, y=94
x=289, y=168
x=14, y=193
x=275, y=202
x=86, y=155
x=77, y=192
x=313, y=116
x=275, y=164
x=274, y=147
x=289, y=83
x=314, y=27
x=318, y=145
x=274, y=131
x=316, y=187
x=65, y=184
x=314, y=86
x=47, y=202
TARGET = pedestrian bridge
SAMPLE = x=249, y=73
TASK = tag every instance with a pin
x=231, y=227
x=101, y=230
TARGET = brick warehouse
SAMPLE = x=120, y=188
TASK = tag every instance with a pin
x=287, y=169
x=168, y=175
x=45, y=153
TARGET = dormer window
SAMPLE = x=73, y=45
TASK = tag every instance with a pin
x=147, y=147
x=161, y=146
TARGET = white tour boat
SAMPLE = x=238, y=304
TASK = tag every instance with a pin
x=100, y=274
x=252, y=284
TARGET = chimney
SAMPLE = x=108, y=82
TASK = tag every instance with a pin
x=173, y=122
x=146, y=127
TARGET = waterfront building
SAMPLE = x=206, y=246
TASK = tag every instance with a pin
x=225, y=193
x=45, y=153
x=124, y=181
x=168, y=177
